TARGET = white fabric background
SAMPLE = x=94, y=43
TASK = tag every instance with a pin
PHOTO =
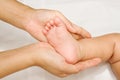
x=97, y=16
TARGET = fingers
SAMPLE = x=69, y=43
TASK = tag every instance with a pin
x=78, y=32
x=69, y=69
x=76, y=36
x=81, y=32
x=66, y=21
x=82, y=65
x=88, y=63
x=75, y=29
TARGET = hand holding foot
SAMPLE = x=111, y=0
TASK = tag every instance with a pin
x=38, y=18
x=39, y=54
x=58, y=36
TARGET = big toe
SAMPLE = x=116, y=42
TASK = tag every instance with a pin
x=59, y=22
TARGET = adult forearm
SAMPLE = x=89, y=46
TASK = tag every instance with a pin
x=14, y=12
x=13, y=60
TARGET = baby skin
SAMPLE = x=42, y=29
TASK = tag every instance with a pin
x=73, y=50
x=63, y=42
x=106, y=47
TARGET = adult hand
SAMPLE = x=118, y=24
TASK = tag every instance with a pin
x=42, y=55
x=34, y=20
x=40, y=17
x=46, y=57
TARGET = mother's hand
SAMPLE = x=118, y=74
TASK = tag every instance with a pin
x=34, y=20
x=47, y=58
x=38, y=18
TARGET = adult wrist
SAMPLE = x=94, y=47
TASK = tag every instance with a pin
x=27, y=18
x=36, y=58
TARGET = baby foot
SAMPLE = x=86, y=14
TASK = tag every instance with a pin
x=62, y=40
